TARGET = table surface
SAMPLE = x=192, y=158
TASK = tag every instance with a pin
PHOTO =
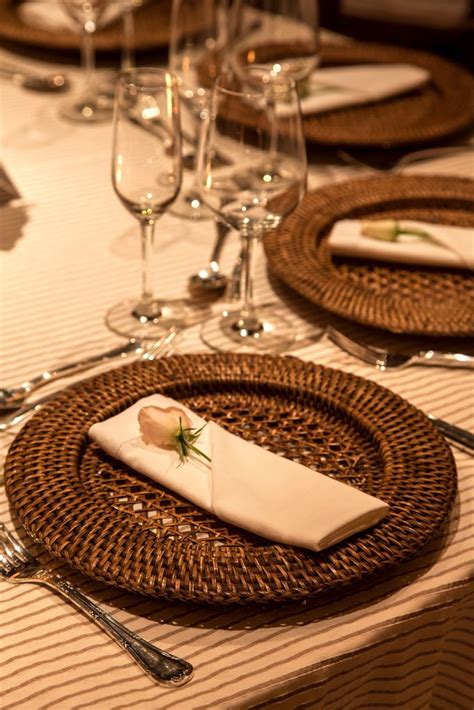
x=68, y=250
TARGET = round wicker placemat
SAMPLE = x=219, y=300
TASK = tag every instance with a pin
x=395, y=297
x=120, y=528
x=443, y=107
x=151, y=29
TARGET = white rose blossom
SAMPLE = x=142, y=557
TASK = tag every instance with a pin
x=388, y=230
x=169, y=428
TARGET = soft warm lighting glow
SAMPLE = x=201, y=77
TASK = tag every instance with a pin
x=251, y=56
x=151, y=112
x=118, y=169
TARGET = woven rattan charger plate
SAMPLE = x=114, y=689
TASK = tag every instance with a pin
x=443, y=107
x=151, y=29
x=123, y=529
x=394, y=297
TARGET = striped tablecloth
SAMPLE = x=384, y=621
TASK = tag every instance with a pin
x=67, y=252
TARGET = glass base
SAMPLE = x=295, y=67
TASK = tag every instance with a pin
x=189, y=205
x=88, y=110
x=268, y=330
x=128, y=318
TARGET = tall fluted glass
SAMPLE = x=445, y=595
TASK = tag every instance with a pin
x=282, y=35
x=89, y=106
x=256, y=126
x=198, y=32
x=146, y=176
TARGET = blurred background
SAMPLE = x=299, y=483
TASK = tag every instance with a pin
x=445, y=27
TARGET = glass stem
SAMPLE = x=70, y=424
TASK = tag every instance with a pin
x=88, y=61
x=249, y=243
x=147, y=241
x=128, y=25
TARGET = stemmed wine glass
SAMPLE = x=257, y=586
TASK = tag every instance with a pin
x=282, y=35
x=90, y=106
x=146, y=176
x=197, y=38
x=257, y=125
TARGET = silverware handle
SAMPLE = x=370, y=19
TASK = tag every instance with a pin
x=455, y=433
x=222, y=232
x=78, y=366
x=433, y=357
x=21, y=413
x=159, y=665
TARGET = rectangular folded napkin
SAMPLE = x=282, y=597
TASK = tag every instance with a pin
x=336, y=87
x=446, y=246
x=245, y=485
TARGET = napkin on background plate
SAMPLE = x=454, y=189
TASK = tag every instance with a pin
x=49, y=15
x=335, y=87
x=245, y=485
x=454, y=246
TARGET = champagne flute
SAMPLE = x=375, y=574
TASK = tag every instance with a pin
x=146, y=176
x=89, y=107
x=281, y=35
x=257, y=125
x=197, y=38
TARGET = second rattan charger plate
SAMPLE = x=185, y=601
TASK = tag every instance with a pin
x=394, y=297
x=123, y=529
x=441, y=108
x=151, y=29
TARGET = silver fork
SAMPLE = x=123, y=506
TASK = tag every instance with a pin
x=17, y=565
x=461, y=438
x=386, y=360
x=160, y=348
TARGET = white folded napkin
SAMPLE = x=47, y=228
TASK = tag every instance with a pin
x=245, y=485
x=335, y=87
x=448, y=246
x=50, y=15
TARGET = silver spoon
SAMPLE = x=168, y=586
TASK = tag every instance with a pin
x=210, y=278
x=35, y=82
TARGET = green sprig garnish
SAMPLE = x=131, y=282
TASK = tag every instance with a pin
x=185, y=439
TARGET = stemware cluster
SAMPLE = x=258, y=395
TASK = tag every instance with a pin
x=232, y=94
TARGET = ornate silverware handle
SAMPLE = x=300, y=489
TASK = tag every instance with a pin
x=433, y=357
x=461, y=436
x=161, y=666
x=73, y=367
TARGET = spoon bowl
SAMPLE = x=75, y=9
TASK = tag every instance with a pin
x=210, y=278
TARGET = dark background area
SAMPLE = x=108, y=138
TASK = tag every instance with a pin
x=455, y=42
